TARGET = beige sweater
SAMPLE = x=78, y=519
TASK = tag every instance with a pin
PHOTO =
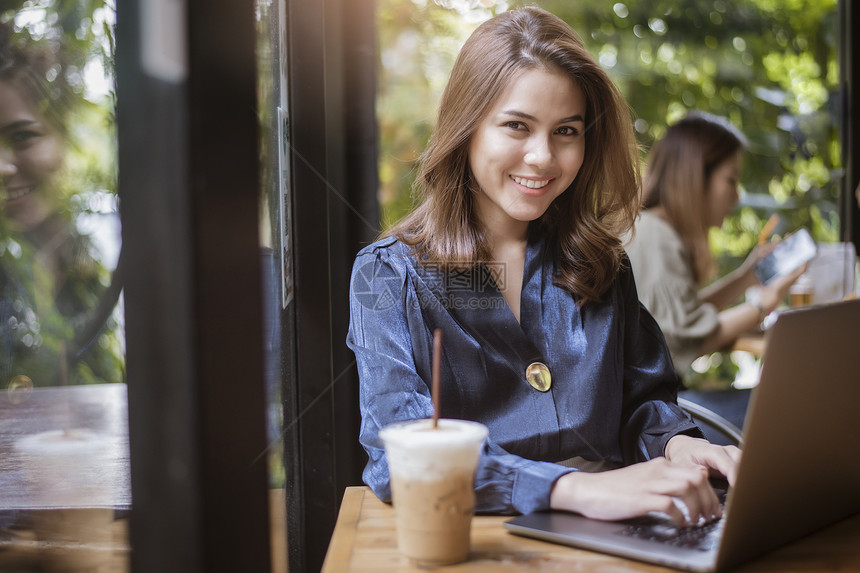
x=664, y=280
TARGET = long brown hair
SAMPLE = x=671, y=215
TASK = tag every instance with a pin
x=27, y=65
x=679, y=166
x=583, y=224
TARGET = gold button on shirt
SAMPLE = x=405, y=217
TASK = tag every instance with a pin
x=538, y=376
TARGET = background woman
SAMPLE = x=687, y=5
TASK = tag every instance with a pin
x=525, y=188
x=691, y=185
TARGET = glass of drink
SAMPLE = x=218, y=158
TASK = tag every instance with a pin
x=433, y=486
x=800, y=293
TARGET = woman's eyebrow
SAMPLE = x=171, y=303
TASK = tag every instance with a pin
x=573, y=118
x=524, y=115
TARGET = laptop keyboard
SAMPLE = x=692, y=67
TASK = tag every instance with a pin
x=703, y=537
x=700, y=537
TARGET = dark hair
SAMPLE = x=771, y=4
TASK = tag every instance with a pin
x=679, y=166
x=36, y=69
x=583, y=224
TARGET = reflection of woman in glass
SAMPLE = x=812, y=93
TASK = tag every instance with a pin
x=49, y=281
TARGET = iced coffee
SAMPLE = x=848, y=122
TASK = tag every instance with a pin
x=432, y=486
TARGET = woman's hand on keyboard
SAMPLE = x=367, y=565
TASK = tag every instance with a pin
x=681, y=492
x=721, y=460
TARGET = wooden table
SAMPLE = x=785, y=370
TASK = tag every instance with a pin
x=364, y=541
x=21, y=552
x=101, y=409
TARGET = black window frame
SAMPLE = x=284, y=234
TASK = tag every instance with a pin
x=849, y=69
x=188, y=186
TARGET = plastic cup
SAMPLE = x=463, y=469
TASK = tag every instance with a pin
x=432, y=474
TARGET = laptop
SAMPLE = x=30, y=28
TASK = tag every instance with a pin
x=800, y=468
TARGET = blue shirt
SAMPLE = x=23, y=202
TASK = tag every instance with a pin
x=613, y=393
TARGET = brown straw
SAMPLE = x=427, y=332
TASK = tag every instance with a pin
x=437, y=365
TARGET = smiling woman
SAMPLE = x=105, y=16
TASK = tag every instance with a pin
x=525, y=189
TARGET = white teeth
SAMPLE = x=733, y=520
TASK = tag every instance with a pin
x=12, y=194
x=531, y=183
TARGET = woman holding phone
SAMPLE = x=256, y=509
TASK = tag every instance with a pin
x=690, y=186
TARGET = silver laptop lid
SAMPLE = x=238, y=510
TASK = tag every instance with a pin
x=801, y=456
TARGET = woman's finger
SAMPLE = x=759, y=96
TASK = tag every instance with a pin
x=666, y=505
x=697, y=495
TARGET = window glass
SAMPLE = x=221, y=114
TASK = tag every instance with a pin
x=276, y=249
x=63, y=413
